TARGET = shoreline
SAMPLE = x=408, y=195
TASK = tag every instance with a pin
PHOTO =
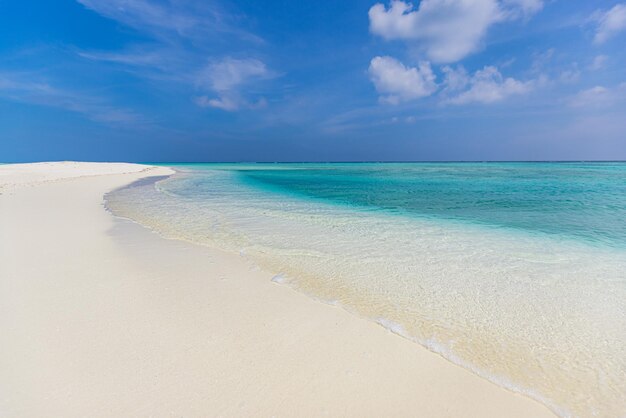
x=397, y=329
x=115, y=320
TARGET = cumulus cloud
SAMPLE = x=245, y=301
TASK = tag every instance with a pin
x=484, y=86
x=447, y=30
x=398, y=83
x=610, y=23
x=225, y=77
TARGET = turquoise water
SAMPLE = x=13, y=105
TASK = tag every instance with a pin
x=516, y=271
x=577, y=200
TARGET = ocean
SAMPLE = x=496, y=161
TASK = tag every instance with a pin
x=515, y=271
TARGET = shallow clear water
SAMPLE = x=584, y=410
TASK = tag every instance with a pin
x=516, y=271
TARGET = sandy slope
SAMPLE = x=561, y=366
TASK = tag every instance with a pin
x=100, y=317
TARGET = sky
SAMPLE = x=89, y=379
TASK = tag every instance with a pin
x=279, y=80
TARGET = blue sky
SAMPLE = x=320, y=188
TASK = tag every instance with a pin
x=198, y=80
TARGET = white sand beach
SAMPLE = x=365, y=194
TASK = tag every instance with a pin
x=100, y=317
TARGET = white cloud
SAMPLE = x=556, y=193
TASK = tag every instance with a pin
x=183, y=33
x=593, y=96
x=571, y=75
x=192, y=19
x=455, y=79
x=610, y=23
x=225, y=77
x=22, y=88
x=142, y=14
x=525, y=7
x=542, y=60
x=599, y=62
x=550, y=66
x=447, y=30
x=134, y=57
x=397, y=83
x=598, y=96
x=231, y=72
x=224, y=103
x=484, y=86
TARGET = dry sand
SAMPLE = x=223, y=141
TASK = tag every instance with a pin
x=102, y=318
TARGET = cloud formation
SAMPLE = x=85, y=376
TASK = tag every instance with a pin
x=447, y=30
x=397, y=83
x=225, y=77
x=22, y=88
x=484, y=86
x=610, y=23
x=524, y=7
x=598, y=96
x=183, y=34
x=191, y=19
x=599, y=62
